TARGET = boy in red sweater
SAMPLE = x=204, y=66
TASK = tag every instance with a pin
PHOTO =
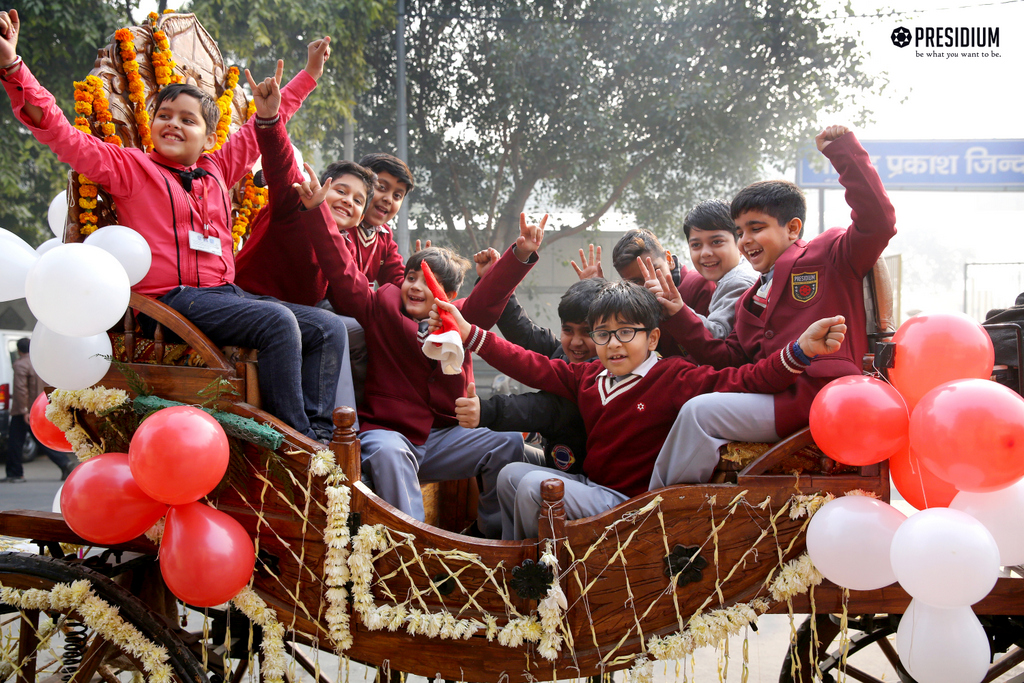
x=799, y=282
x=408, y=427
x=176, y=196
x=628, y=398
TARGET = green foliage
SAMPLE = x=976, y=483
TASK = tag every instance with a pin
x=647, y=106
x=255, y=33
x=59, y=42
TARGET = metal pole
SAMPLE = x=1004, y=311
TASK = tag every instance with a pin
x=349, y=140
x=402, y=127
x=821, y=210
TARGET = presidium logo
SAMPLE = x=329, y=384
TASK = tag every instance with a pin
x=949, y=42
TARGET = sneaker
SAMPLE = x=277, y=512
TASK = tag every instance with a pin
x=13, y=480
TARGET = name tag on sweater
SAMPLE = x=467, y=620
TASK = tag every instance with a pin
x=211, y=245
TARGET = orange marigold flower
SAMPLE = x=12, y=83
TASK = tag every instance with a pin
x=104, y=116
x=136, y=86
x=137, y=98
x=88, y=190
x=124, y=34
x=153, y=16
x=159, y=59
x=82, y=96
x=87, y=217
x=113, y=139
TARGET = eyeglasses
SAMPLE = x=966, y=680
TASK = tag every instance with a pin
x=623, y=334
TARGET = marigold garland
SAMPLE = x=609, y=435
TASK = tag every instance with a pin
x=224, y=104
x=161, y=58
x=91, y=100
x=136, y=87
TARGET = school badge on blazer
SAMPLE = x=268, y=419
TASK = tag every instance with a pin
x=805, y=286
x=563, y=457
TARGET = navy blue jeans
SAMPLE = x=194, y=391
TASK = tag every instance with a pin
x=299, y=348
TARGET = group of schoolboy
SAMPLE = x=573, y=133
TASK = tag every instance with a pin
x=647, y=378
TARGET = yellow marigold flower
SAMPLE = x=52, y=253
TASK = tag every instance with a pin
x=168, y=11
x=85, y=181
x=137, y=98
x=87, y=203
x=83, y=108
x=131, y=66
x=93, y=81
x=142, y=118
x=108, y=129
x=162, y=72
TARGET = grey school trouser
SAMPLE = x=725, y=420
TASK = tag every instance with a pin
x=704, y=424
x=396, y=466
x=519, y=494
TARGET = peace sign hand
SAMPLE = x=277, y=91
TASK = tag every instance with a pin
x=267, y=95
x=311, y=194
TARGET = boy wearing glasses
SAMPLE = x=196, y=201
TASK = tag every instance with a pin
x=628, y=398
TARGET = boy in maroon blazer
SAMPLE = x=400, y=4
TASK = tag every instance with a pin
x=408, y=428
x=800, y=282
x=628, y=398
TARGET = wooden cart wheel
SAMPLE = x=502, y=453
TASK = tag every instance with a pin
x=55, y=645
x=870, y=656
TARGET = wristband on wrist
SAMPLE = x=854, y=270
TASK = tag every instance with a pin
x=267, y=123
x=800, y=355
x=4, y=70
x=793, y=359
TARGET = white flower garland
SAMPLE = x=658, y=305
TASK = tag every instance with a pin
x=94, y=400
x=336, y=538
x=98, y=615
x=551, y=609
x=253, y=606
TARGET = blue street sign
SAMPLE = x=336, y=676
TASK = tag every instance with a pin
x=980, y=165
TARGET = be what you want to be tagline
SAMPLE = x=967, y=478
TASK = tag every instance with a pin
x=949, y=42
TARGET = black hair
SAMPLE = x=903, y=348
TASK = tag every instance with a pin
x=711, y=215
x=780, y=199
x=629, y=301
x=380, y=162
x=448, y=267
x=23, y=345
x=636, y=242
x=575, y=303
x=340, y=168
x=207, y=105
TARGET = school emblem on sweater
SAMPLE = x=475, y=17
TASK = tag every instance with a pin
x=563, y=457
x=805, y=286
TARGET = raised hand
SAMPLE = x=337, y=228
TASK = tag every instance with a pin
x=485, y=260
x=823, y=337
x=10, y=28
x=649, y=272
x=467, y=409
x=426, y=245
x=667, y=294
x=591, y=266
x=267, y=95
x=530, y=237
x=825, y=137
x=319, y=51
x=311, y=194
x=434, y=321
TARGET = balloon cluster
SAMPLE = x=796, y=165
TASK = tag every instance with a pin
x=76, y=292
x=955, y=444
x=177, y=456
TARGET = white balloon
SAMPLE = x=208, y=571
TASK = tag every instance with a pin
x=938, y=645
x=9, y=238
x=69, y=362
x=77, y=290
x=57, y=214
x=56, y=499
x=849, y=540
x=48, y=245
x=127, y=246
x=15, y=263
x=1001, y=512
x=945, y=558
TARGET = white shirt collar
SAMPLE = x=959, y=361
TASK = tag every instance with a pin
x=640, y=370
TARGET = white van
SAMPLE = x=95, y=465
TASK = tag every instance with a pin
x=8, y=354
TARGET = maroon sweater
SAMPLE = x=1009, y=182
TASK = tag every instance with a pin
x=627, y=424
x=377, y=255
x=813, y=279
x=405, y=391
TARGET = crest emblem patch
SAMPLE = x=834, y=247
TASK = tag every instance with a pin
x=563, y=457
x=805, y=286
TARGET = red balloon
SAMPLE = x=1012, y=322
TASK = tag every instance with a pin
x=917, y=484
x=971, y=433
x=859, y=420
x=178, y=454
x=45, y=431
x=936, y=348
x=206, y=556
x=102, y=503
